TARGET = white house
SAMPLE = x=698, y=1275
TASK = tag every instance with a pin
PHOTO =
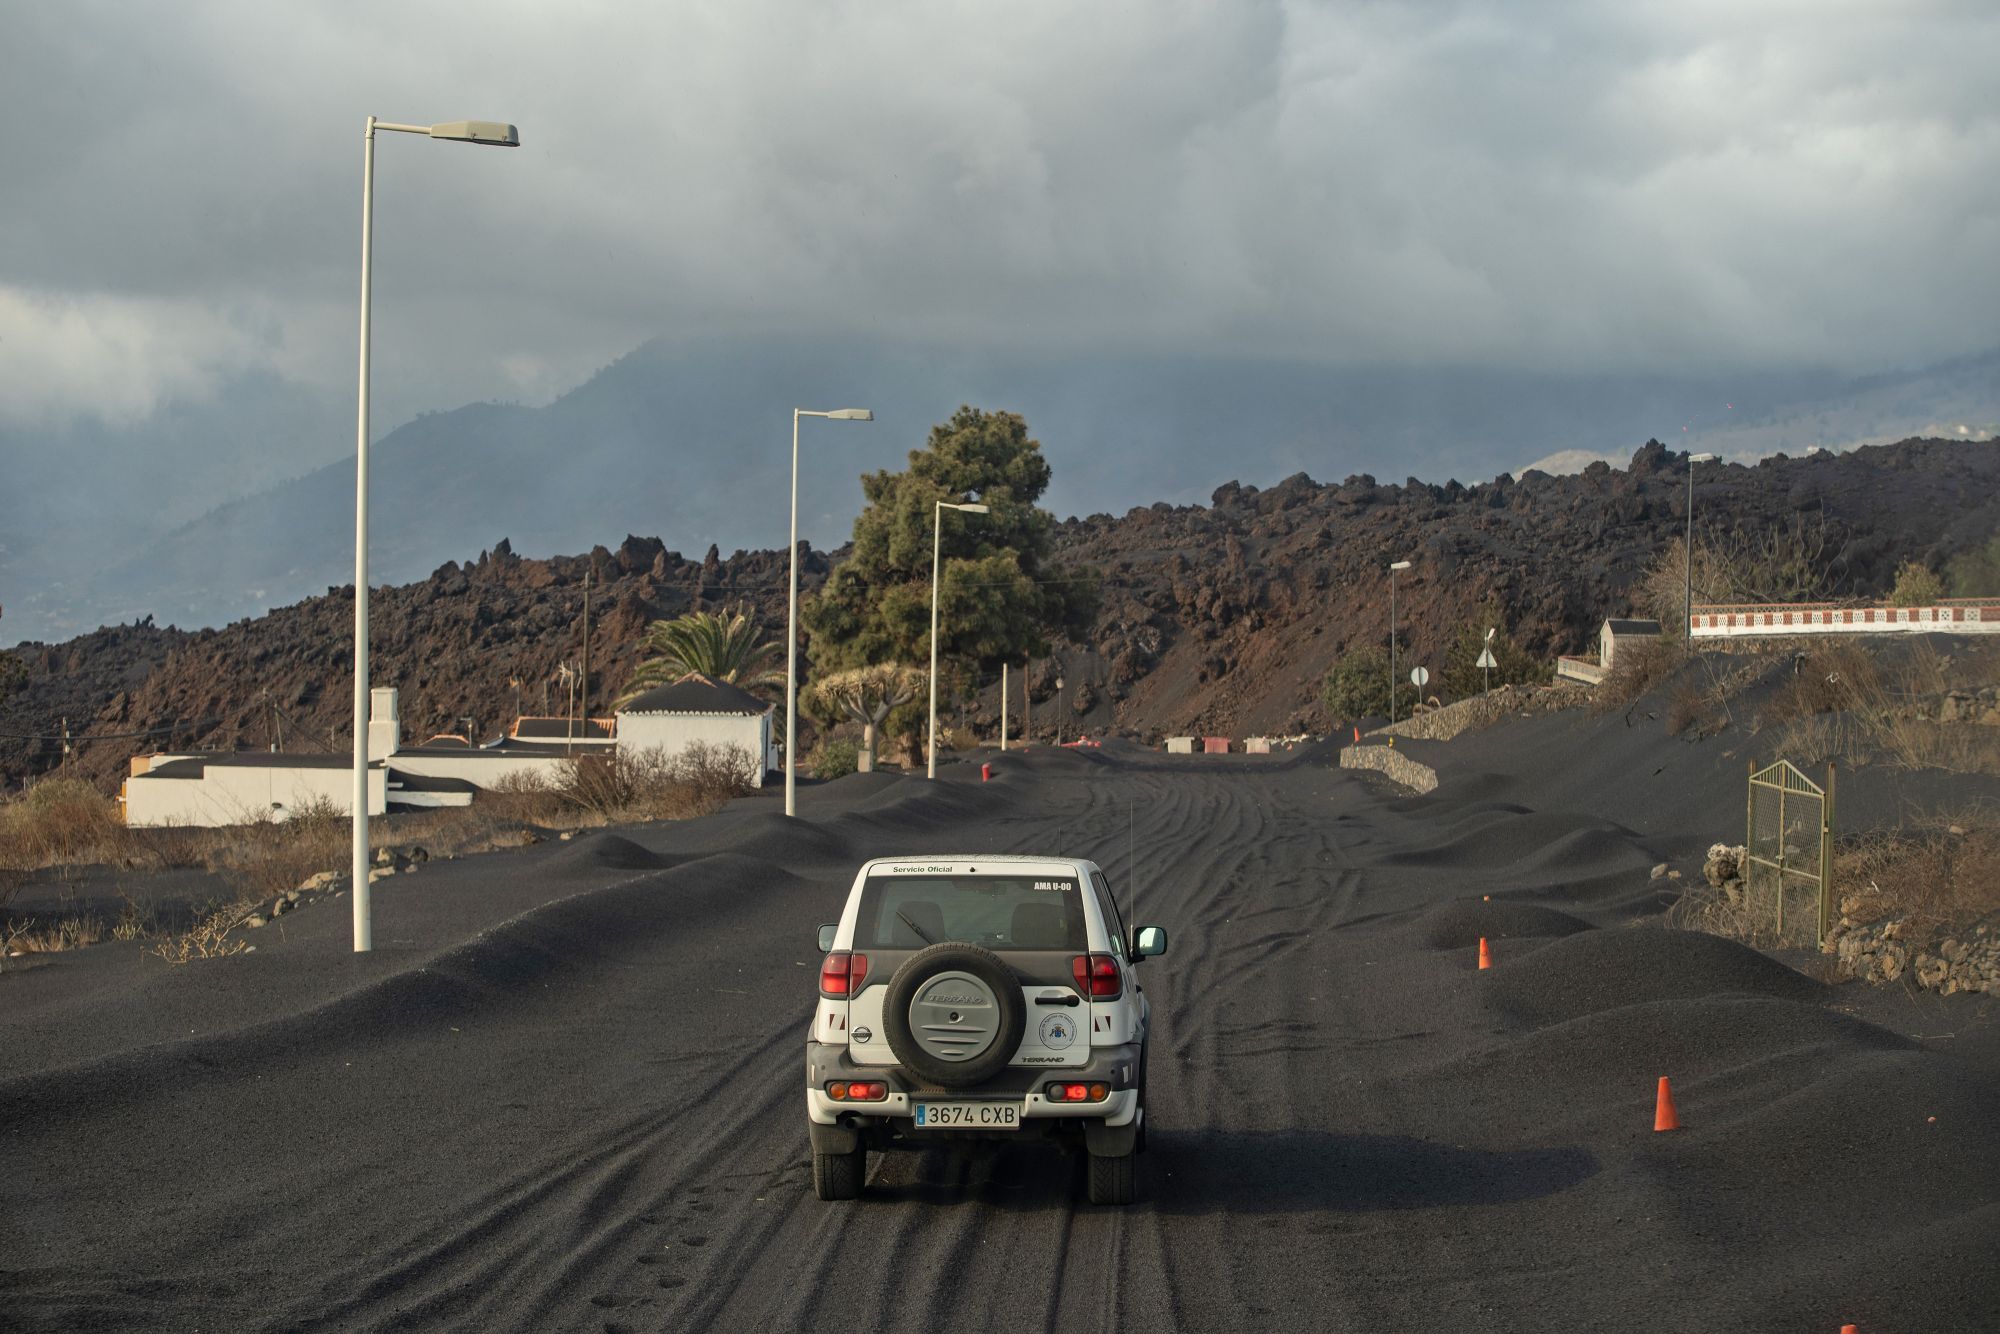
x=669, y=718
x=1610, y=635
x=244, y=786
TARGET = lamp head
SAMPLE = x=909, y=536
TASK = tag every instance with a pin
x=496, y=134
x=974, y=509
x=1701, y=458
x=1400, y=565
x=850, y=415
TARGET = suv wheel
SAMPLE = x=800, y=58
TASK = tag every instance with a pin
x=954, y=1014
x=1114, y=1180
x=838, y=1176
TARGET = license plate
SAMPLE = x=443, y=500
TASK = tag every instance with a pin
x=967, y=1115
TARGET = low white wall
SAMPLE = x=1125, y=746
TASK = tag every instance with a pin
x=228, y=794
x=1580, y=669
x=671, y=733
x=1969, y=618
x=485, y=769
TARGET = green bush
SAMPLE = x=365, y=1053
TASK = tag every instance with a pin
x=1971, y=574
x=835, y=759
x=1358, y=687
x=1915, y=586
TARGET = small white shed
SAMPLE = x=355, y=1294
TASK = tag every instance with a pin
x=669, y=718
x=1616, y=630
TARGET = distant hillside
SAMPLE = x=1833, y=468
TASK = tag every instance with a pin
x=691, y=442
x=1215, y=618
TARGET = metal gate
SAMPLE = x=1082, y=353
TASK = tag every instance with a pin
x=1787, y=866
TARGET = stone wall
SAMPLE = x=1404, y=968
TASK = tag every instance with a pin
x=1483, y=711
x=1392, y=764
x=1897, y=950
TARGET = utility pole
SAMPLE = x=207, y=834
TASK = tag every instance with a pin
x=1003, y=706
x=583, y=698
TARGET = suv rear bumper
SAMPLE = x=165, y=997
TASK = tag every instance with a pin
x=890, y=1118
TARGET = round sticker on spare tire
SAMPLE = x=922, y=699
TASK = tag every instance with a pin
x=1058, y=1032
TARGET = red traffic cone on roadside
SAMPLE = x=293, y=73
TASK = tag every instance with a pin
x=1850, y=1329
x=1664, y=1115
x=1485, y=954
x=1357, y=732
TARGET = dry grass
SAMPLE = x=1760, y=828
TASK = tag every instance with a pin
x=1638, y=668
x=268, y=857
x=1847, y=705
x=1923, y=873
x=60, y=821
x=68, y=932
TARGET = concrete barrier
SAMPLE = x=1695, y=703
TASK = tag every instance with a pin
x=1392, y=764
x=1180, y=745
x=1215, y=745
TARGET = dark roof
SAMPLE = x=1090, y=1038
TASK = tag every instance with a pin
x=562, y=729
x=1619, y=627
x=191, y=766
x=695, y=693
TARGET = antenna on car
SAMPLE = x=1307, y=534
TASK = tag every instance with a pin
x=1131, y=863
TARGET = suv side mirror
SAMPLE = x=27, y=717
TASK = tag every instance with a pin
x=1150, y=941
x=826, y=936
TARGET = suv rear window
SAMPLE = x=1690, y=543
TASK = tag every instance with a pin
x=907, y=912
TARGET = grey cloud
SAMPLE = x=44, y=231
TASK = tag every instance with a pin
x=1560, y=187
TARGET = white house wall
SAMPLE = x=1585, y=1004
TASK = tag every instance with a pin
x=487, y=769
x=229, y=794
x=672, y=733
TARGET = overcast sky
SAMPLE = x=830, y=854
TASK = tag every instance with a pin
x=1678, y=186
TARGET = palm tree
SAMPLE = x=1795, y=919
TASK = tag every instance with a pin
x=725, y=645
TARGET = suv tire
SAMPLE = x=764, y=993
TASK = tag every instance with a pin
x=992, y=973
x=838, y=1176
x=1113, y=1180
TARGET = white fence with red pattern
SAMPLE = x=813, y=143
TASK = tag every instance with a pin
x=1971, y=616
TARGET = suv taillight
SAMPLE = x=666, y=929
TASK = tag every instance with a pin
x=841, y=973
x=1097, y=976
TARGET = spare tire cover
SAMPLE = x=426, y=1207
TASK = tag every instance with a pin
x=954, y=1014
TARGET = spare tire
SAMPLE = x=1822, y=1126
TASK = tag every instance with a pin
x=954, y=1014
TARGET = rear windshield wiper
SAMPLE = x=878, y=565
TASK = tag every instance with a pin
x=904, y=919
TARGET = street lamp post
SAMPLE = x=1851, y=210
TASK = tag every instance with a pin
x=792, y=618
x=498, y=135
x=1687, y=626
x=1399, y=565
x=937, y=550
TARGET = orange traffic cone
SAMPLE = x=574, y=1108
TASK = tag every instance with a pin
x=1664, y=1115
x=1850, y=1329
x=1485, y=954
x=1357, y=732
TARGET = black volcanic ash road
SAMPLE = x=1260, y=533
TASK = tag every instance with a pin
x=589, y=1115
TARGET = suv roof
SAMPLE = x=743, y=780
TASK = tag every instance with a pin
x=971, y=863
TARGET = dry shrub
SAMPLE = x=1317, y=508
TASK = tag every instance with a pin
x=207, y=938
x=268, y=857
x=1924, y=873
x=523, y=796
x=1918, y=743
x=60, y=821
x=172, y=846
x=1703, y=907
x=70, y=932
x=650, y=785
x=1841, y=679
x=1638, y=668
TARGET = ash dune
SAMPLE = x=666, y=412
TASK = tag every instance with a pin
x=562, y=1093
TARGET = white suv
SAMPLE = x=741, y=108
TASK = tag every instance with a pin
x=988, y=997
